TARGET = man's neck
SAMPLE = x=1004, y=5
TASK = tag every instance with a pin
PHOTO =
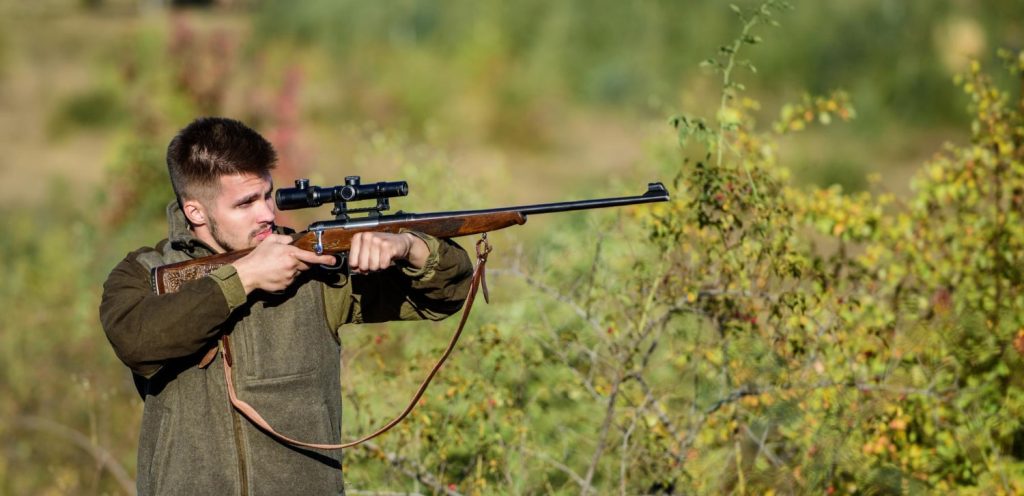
x=202, y=233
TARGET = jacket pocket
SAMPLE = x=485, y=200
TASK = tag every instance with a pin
x=285, y=337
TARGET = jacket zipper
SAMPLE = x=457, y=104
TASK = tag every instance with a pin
x=242, y=476
x=243, y=480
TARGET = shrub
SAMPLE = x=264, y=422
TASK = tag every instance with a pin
x=769, y=339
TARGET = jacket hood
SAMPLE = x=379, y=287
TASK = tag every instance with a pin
x=181, y=235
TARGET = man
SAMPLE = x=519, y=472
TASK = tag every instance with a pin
x=280, y=311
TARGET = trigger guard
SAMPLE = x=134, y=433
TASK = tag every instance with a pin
x=339, y=263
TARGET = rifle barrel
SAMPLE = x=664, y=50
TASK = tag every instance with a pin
x=655, y=192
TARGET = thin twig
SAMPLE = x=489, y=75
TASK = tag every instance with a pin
x=558, y=296
x=558, y=465
x=762, y=447
x=100, y=454
x=659, y=410
x=560, y=352
x=603, y=438
x=411, y=469
x=380, y=493
x=624, y=455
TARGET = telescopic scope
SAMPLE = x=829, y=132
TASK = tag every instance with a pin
x=305, y=196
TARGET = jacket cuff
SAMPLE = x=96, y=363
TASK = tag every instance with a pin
x=426, y=272
x=227, y=278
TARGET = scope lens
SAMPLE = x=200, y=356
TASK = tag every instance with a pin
x=292, y=198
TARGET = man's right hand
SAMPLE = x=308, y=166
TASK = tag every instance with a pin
x=275, y=263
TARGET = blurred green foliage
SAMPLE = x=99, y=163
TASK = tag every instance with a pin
x=763, y=333
x=890, y=54
x=96, y=108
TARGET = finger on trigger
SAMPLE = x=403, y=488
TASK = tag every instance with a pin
x=327, y=260
x=312, y=258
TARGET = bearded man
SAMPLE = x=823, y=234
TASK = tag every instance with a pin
x=280, y=310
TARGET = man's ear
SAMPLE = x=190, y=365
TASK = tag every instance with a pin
x=195, y=212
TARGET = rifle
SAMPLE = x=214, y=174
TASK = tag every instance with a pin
x=335, y=236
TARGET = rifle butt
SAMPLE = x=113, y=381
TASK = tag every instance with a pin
x=169, y=278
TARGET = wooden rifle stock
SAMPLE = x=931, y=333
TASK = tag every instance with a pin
x=332, y=237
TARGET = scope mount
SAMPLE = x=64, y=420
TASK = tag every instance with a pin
x=341, y=210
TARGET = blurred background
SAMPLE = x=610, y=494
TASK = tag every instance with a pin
x=477, y=103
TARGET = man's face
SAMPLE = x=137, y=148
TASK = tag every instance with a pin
x=242, y=213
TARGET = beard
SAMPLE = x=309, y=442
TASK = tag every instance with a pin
x=230, y=245
x=219, y=238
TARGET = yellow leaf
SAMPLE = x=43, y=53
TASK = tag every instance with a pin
x=729, y=116
x=714, y=355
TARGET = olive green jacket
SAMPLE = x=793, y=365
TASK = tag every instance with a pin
x=286, y=352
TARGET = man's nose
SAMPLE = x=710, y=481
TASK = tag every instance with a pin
x=267, y=213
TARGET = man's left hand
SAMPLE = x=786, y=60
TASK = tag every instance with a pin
x=373, y=251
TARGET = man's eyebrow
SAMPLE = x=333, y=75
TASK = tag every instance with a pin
x=248, y=199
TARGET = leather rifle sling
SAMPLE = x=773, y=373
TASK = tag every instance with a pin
x=483, y=248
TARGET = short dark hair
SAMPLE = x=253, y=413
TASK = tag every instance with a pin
x=211, y=147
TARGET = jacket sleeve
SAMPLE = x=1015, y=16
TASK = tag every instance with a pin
x=435, y=291
x=146, y=330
